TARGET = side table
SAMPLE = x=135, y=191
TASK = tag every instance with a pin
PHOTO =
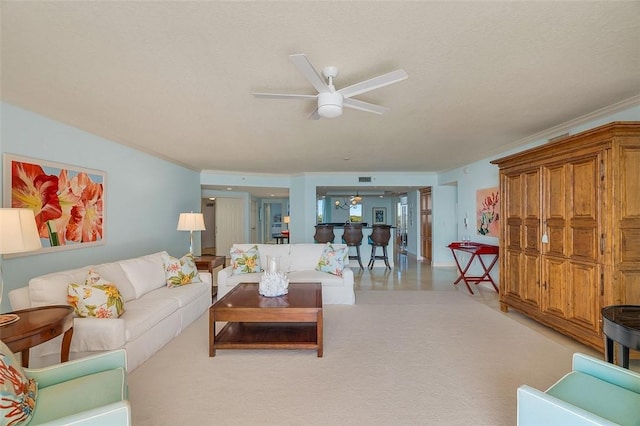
x=210, y=263
x=36, y=326
x=621, y=324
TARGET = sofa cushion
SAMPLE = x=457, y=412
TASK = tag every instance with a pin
x=305, y=257
x=179, y=272
x=145, y=273
x=183, y=295
x=95, y=298
x=333, y=259
x=316, y=277
x=144, y=313
x=113, y=273
x=17, y=392
x=245, y=261
x=51, y=289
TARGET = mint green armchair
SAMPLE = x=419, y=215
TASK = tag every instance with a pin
x=86, y=391
x=594, y=393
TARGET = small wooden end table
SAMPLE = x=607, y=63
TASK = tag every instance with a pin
x=209, y=263
x=36, y=326
x=292, y=321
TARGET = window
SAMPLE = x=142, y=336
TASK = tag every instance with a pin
x=320, y=210
x=355, y=213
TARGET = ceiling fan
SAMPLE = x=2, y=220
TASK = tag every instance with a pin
x=330, y=101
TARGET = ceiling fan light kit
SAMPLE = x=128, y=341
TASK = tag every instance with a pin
x=330, y=101
x=330, y=104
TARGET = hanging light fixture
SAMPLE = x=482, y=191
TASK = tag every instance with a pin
x=348, y=202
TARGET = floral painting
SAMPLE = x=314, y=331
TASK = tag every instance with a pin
x=488, y=212
x=68, y=202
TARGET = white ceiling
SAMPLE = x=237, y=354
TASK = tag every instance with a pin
x=175, y=78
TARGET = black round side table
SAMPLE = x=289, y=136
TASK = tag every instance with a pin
x=621, y=324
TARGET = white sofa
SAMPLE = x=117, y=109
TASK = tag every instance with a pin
x=299, y=261
x=154, y=313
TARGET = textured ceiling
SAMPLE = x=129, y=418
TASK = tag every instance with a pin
x=175, y=78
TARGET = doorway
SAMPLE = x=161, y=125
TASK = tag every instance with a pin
x=426, y=231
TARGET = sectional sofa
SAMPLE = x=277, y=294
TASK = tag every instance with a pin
x=154, y=313
x=300, y=262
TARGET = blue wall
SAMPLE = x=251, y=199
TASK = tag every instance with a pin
x=144, y=195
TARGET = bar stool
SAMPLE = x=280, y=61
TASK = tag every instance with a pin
x=380, y=236
x=352, y=237
x=324, y=234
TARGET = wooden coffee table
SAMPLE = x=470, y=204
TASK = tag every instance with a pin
x=292, y=321
x=38, y=325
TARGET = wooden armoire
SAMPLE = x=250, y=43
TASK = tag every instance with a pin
x=570, y=229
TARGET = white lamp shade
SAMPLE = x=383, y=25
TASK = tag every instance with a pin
x=191, y=222
x=287, y=219
x=18, y=231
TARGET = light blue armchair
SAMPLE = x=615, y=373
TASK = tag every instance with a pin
x=594, y=393
x=86, y=391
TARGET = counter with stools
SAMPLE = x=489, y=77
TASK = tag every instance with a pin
x=352, y=237
x=324, y=234
x=380, y=236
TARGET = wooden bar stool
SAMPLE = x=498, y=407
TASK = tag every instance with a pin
x=380, y=236
x=352, y=237
x=324, y=234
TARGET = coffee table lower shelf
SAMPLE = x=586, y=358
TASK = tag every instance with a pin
x=277, y=335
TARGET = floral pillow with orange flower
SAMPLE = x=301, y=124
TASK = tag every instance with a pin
x=96, y=298
x=181, y=271
x=17, y=392
x=245, y=262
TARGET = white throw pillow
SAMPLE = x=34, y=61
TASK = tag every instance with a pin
x=146, y=273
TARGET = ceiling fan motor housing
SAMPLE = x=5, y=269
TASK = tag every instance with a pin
x=330, y=104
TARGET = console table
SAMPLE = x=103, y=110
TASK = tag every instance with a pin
x=475, y=250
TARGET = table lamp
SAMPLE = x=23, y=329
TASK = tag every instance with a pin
x=191, y=222
x=18, y=234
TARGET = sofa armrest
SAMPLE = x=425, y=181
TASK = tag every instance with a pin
x=205, y=277
x=223, y=275
x=59, y=373
x=20, y=298
x=117, y=413
x=607, y=372
x=538, y=408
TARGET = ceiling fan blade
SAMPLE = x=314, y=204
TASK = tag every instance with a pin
x=374, y=83
x=364, y=106
x=310, y=72
x=283, y=96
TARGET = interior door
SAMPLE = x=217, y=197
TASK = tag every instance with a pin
x=426, y=233
x=229, y=224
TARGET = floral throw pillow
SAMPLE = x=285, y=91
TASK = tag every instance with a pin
x=96, y=298
x=333, y=260
x=17, y=392
x=245, y=262
x=181, y=271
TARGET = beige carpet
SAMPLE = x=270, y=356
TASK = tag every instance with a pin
x=401, y=358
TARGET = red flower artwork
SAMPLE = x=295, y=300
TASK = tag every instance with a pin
x=67, y=209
